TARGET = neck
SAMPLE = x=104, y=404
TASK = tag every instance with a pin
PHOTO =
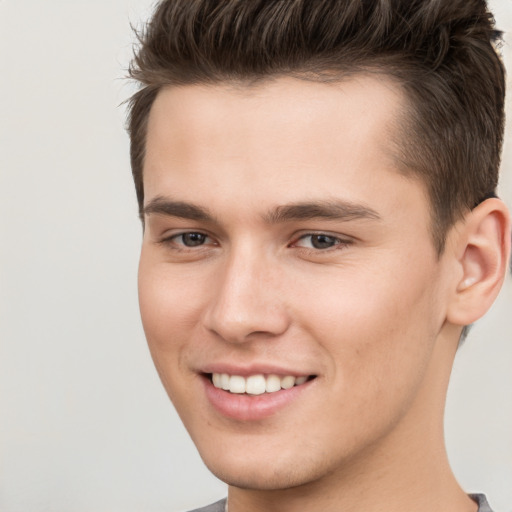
x=421, y=481
x=406, y=470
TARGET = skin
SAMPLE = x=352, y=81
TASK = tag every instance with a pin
x=375, y=315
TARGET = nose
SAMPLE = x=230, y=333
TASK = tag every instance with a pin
x=246, y=303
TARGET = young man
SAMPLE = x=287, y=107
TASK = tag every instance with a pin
x=317, y=185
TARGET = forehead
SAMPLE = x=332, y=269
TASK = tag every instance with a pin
x=275, y=142
x=284, y=111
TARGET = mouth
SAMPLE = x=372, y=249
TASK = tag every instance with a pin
x=255, y=395
x=257, y=384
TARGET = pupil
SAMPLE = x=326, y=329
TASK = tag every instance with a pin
x=322, y=241
x=193, y=239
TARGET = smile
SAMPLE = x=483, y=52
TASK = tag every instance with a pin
x=254, y=395
x=255, y=384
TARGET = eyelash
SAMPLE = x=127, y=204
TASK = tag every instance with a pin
x=337, y=242
x=171, y=240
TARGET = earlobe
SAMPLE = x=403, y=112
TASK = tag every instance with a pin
x=483, y=252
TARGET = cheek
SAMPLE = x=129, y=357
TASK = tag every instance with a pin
x=169, y=302
x=170, y=306
x=378, y=333
x=169, y=312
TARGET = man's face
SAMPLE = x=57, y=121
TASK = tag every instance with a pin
x=281, y=242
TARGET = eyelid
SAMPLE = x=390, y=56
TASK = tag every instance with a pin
x=341, y=240
x=170, y=239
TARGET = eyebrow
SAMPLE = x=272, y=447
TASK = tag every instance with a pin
x=329, y=210
x=163, y=206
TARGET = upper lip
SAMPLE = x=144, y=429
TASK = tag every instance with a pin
x=252, y=369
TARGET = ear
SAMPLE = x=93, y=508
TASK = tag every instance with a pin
x=482, y=252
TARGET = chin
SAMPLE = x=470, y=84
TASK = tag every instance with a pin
x=249, y=473
x=261, y=479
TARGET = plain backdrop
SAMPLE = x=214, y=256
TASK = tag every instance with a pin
x=84, y=422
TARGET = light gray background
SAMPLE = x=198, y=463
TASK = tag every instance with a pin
x=84, y=422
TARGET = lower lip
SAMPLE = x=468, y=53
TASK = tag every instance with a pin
x=245, y=407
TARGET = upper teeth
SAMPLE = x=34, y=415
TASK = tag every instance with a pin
x=255, y=384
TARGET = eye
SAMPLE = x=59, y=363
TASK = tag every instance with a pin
x=319, y=241
x=190, y=239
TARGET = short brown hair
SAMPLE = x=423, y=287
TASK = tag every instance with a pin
x=442, y=53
